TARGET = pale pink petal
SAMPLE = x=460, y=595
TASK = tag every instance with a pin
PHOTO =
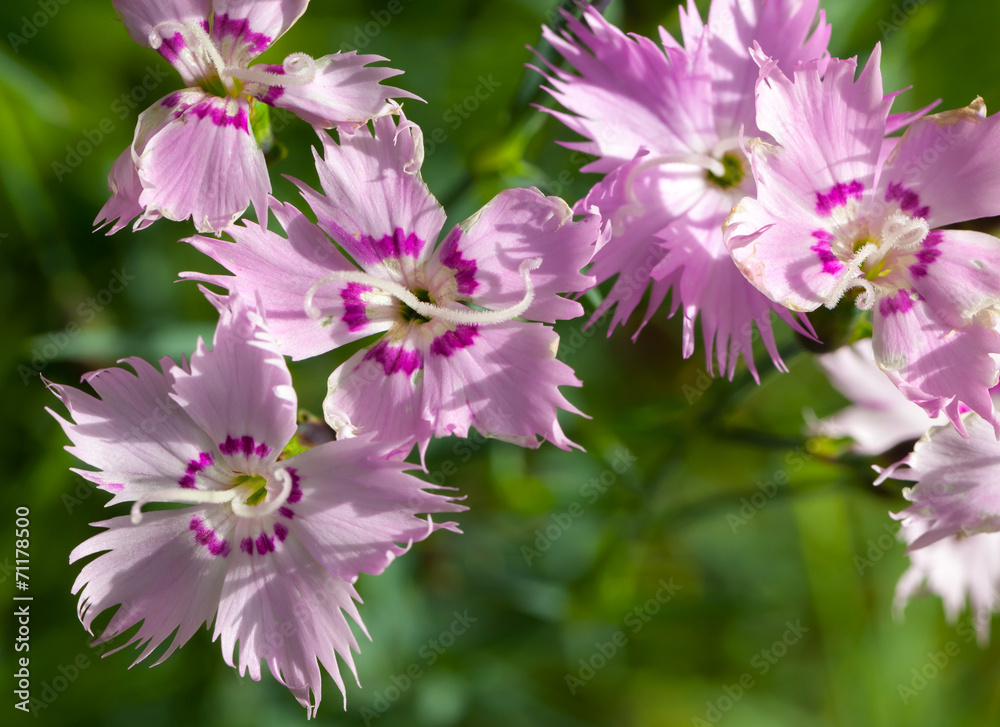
x=358, y=510
x=280, y=271
x=244, y=29
x=786, y=30
x=956, y=479
x=638, y=204
x=284, y=608
x=501, y=379
x=379, y=391
x=484, y=253
x=135, y=435
x=240, y=392
x=205, y=165
x=880, y=416
x=344, y=91
x=829, y=126
x=774, y=245
x=159, y=573
x=957, y=272
x=125, y=188
x=376, y=206
x=959, y=569
x=709, y=285
x=933, y=364
x=627, y=93
x=949, y=165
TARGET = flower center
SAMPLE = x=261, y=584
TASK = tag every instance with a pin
x=873, y=263
x=418, y=305
x=190, y=48
x=411, y=316
x=248, y=496
x=733, y=172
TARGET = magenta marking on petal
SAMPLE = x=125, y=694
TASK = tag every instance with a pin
x=831, y=263
x=206, y=536
x=928, y=254
x=462, y=337
x=204, y=461
x=272, y=94
x=171, y=47
x=262, y=450
x=287, y=511
x=246, y=545
x=114, y=486
x=355, y=315
x=239, y=28
x=371, y=250
x=247, y=444
x=265, y=544
x=465, y=269
x=171, y=100
x=900, y=302
x=296, y=494
x=280, y=532
x=395, y=358
x=838, y=196
x=218, y=116
x=909, y=201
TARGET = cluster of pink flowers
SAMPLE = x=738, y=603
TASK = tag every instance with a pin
x=275, y=532
x=745, y=171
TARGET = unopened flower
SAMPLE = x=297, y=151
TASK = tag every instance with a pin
x=269, y=546
x=838, y=208
x=664, y=124
x=195, y=154
x=455, y=351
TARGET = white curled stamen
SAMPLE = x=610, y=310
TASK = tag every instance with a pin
x=300, y=69
x=193, y=31
x=269, y=505
x=903, y=232
x=429, y=310
x=183, y=496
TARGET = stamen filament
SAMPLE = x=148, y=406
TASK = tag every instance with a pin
x=204, y=44
x=429, y=310
x=186, y=496
x=300, y=69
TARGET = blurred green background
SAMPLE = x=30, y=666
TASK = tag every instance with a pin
x=650, y=544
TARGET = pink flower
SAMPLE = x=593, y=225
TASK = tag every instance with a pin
x=664, y=123
x=880, y=416
x=440, y=365
x=838, y=206
x=959, y=569
x=195, y=153
x=269, y=546
x=956, y=490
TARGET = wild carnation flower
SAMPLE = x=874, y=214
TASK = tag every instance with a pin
x=840, y=207
x=664, y=123
x=454, y=351
x=959, y=569
x=880, y=416
x=195, y=153
x=956, y=490
x=270, y=545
